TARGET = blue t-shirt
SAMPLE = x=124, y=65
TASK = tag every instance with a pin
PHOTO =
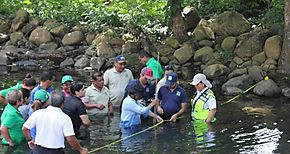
x=149, y=90
x=35, y=89
x=171, y=101
x=131, y=112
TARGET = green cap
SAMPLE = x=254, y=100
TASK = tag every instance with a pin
x=66, y=78
x=41, y=95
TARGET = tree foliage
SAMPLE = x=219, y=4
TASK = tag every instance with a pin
x=99, y=14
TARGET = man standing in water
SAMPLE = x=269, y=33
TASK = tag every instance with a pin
x=203, y=104
x=52, y=127
x=116, y=79
x=173, y=98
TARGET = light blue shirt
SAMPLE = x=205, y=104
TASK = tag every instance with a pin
x=131, y=112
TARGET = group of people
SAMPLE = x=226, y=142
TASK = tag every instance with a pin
x=43, y=117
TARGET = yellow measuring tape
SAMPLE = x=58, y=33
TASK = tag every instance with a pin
x=230, y=100
x=108, y=145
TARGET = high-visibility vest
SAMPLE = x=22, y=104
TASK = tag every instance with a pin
x=198, y=112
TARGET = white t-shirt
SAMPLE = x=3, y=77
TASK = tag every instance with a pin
x=117, y=82
x=52, y=127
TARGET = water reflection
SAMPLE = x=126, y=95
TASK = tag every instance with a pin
x=261, y=141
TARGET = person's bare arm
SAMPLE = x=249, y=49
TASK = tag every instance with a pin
x=182, y=110
x=5, y=133
x=110, y=107
x=93, y=105
x=73, y=142
x=210, y=115
x=85, y=120
x=26, y=133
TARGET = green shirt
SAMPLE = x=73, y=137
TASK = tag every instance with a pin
x=16, y=87
x=13, y=120
x=155, y=67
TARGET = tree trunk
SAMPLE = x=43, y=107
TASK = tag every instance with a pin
x=178, y=24
x=285, y=55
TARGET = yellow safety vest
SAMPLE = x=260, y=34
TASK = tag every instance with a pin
x=198, y=112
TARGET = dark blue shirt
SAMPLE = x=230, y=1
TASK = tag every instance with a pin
x=149, y=90
x=171, y=101
x=34, y=90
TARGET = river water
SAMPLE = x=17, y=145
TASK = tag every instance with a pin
x=234, y=132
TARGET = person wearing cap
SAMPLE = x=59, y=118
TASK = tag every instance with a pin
x=132, y=109
x=173, y=98
x=203, y=104
x=66, y=82
x=75, y=108
x=116, y=79
x=97, y=98
x=149, y=89
x=53, y=126
x=12, y=120
x=40, y=102
x=167, y=69
x=146, y=59
x=46, y=79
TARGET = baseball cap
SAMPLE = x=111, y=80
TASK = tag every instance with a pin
x=41, y=95
x=66, y=78
x=168, y=67
x=136, y=88
x=147, y=72
x=200, y=78
x=120, y=59
x=171, y=78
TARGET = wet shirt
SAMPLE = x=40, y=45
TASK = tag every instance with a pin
x=171, y=101
x=155, y=67
x=35, y=89
x=74, y=108
x=13, y=120
x=117, y=82
x=131, y=112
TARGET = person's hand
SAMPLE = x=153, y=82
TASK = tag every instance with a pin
x=154, y=102
x=100, y=106
x=160, y=110
x=173, y=118
x=158, y=118
x=84, y=151
x=11, y=143
x=31, y=144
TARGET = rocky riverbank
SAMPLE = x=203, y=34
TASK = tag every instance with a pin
x=231, y=51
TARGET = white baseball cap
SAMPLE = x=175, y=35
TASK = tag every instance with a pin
x=200, y=78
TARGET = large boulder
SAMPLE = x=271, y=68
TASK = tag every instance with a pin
x=273, y=47
x=90, y=38
x=184, y=53
x=216, y=70
x=105, y=50
x=203, y=54
x=238, y=72
x=242, y=82
x=73, y=38
x=267, y=88
x=59, y=31
x=4, y=26
x=39, y=36
x=165, y=50
x=229, y=43
x=230, y=23
x=203, y=31
x=15, y=37
x=97, y=63
x=251, y=43
x=256, y=72
x=82, y=62
x=131, y=47
x=260, y=57
x=21, y=17
x=67, y=63
x=172, y=42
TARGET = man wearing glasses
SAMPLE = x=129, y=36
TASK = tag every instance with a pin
x=66, y=82
x=116, y=79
